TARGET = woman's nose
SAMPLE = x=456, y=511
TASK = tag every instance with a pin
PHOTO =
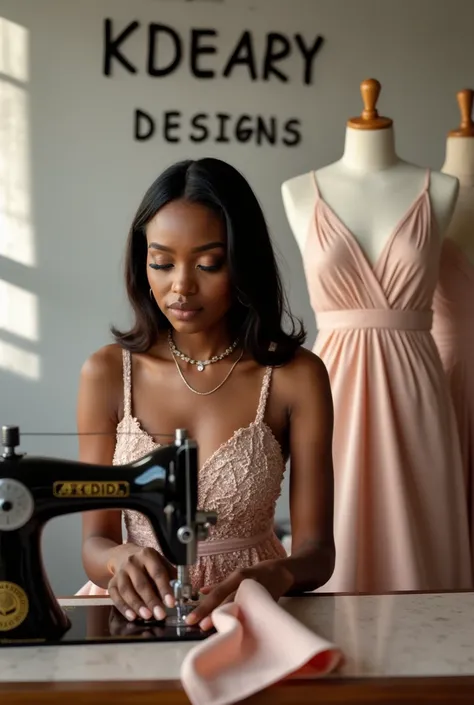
x=184, y=283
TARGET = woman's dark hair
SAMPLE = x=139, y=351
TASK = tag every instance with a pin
x=259, y=305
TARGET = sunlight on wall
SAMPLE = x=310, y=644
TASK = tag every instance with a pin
x=18, y=311
x=16, y=231
x=18, y=361
x=14, y=59
x=18, y=307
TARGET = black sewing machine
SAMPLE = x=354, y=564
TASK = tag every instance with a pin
x=162, y=486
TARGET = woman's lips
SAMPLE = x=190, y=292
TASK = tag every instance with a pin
x=183, y=314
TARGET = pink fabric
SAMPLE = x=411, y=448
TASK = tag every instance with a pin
x=400, y=503
x=453, y=331
x=257, y=644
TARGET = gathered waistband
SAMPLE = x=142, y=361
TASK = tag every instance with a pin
x=213, y=547
x=394, y=319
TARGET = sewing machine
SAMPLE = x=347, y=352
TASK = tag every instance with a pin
x=162, y=486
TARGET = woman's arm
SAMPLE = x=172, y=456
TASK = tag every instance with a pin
x=100, y=391
x=312, y=559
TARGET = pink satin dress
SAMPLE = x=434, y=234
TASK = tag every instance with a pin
x=453, y=331
x=241, y=481
x=400, y=504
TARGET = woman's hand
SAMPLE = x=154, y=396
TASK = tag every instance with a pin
x=141, y=583
x=272, y=575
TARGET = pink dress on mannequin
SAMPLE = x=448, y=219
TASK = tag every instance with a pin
x=241, y=481
x=400, y=507
x=453, y=331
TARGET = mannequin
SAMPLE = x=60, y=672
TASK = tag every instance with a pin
x=453, y=306
x=459, y=162
x=368, y=172
x=369, y=228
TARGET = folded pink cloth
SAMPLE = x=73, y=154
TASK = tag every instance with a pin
x=256, y=645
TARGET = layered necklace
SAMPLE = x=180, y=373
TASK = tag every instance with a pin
x=202, y=364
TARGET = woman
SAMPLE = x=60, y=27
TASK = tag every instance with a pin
x=208, y=352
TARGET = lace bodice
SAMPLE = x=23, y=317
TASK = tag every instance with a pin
x=241, y=481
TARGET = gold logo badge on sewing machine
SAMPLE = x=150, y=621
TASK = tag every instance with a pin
x=91, y=489
x=14, y=606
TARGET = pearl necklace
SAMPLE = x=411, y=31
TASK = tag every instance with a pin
x=200, y=364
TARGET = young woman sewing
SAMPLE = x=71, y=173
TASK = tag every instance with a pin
x=208, y=352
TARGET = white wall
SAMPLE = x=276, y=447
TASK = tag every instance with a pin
x=71, y=173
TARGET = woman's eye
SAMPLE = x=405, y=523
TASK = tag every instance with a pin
x=210, y=267
x=153, y=265
x=214, y=267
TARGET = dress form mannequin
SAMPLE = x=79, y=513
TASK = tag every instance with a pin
x=369, y=228
x=459, y=162
x=368, y=172
x=453, y=305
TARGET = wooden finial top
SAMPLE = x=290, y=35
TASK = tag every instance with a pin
x=370, y=119
x=466, y=128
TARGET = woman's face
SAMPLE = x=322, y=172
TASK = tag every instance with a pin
x=187, y=266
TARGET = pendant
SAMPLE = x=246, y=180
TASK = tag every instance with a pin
x=199, y=367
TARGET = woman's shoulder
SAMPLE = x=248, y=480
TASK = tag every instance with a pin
x=304, y=374
x=104, y=366
x=100, y=398
x=304, y=363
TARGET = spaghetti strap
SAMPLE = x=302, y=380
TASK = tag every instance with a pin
x=127, y=383
x=315, y=182
x=262, y=403
x=427, y=180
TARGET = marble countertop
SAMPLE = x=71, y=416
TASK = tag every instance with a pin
x=402, y=635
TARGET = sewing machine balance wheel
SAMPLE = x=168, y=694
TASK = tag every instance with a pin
x=16, y=501
x=16, y=504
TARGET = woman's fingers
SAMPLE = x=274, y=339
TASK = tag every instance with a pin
x=151, y=600
x=158, y=572
x=219, y=594
x=141, y=586
x=124, y=597
x=207, y=622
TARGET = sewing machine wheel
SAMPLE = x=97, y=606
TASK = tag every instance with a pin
x=16, y=504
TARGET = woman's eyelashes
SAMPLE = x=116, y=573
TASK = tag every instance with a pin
x=215, y=267
x=211, y=267
x=154, y=265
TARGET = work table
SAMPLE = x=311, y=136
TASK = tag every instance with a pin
x=413, y=648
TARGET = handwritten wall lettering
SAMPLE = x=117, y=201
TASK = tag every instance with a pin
x=165, y=51
x=220, y=128
x=260, y=65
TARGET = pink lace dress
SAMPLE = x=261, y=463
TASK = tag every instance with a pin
x=241, y=481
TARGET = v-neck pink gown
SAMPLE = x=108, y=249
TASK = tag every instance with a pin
x=400, y=504
x=453, y=331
